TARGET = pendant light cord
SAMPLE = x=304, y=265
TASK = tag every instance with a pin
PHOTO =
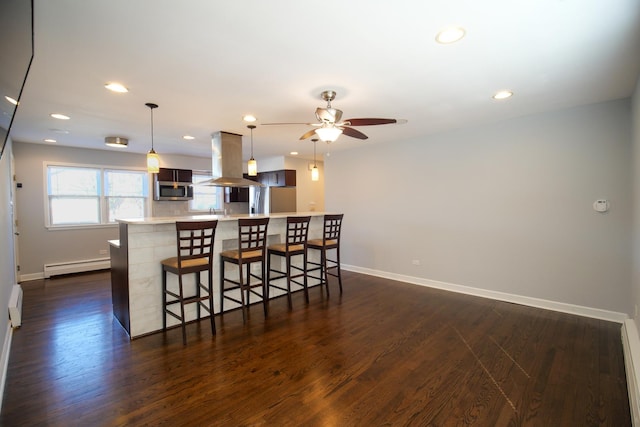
x=151, y=107
x=314, y=152
x=251, y=127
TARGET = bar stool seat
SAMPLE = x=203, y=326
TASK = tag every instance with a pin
x=194, y=241
x=329, y=265
x=252, y=238
x=295, y=245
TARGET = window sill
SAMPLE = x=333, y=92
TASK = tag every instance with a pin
x=79, y=227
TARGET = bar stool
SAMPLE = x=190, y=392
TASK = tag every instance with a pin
x=194, y=241
x=295, y=244
x=330, y=241
x=252, y=238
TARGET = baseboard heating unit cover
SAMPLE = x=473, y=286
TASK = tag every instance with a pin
x=76, y=267
x=15, y=306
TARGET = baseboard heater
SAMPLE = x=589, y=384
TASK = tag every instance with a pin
x=15, y=306
x=76, y=267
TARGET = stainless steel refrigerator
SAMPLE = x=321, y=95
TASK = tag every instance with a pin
x=272, y=199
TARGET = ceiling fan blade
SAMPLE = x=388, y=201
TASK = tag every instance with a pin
x=308, y=134
x=271, y=124
x=370, y=122
x=353, y=133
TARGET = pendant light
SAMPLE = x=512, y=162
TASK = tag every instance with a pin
x=153, y=161
x=315, y=174
x=252, y=165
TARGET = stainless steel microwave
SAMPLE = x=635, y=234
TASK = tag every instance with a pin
x=172, y=191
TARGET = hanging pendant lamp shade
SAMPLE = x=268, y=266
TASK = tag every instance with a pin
x=252, y=165
x=153, y=161
x=315, y=174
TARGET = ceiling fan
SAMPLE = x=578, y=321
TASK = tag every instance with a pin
x=331, y=125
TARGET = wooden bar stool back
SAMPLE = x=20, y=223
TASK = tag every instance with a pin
x=329, y=264
x=252, y=239
x=295, y=245
x=195, y=254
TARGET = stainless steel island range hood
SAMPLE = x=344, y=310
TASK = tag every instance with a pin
x=226, y=162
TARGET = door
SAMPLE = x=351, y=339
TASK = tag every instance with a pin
x=14, y=219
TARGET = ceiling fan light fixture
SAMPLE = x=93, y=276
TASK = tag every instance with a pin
x=328, y=134
x=153, y=160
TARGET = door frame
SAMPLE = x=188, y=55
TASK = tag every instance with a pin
x=14, y=218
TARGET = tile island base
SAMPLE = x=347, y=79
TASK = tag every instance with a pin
x=136, y=273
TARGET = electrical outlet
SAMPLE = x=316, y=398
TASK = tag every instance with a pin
x=415, y=262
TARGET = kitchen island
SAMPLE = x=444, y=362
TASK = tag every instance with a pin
x=136, y=272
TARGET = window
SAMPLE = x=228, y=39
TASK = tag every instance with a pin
x=81, y=195
x=126, y=194
x=205, y=198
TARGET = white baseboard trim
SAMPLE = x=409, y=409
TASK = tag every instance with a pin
x=4, y=360
x=32, y=276
x=595, y=313
x=631, y=347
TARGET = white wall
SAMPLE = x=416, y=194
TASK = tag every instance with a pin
x=309, y=194
x=7, y=272
x=38, y=245
x=504, y=207
x=636, y=200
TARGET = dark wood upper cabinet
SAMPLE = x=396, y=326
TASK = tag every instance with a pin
x=175, y=175
x=279, y=178
x=235, y=194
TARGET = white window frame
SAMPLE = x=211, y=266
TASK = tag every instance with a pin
x=102, y=197
x=203, y=176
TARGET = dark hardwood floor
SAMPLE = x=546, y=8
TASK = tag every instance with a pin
x=383, y=353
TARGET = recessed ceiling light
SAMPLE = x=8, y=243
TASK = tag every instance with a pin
x=116, y=87
x=503, y=94
x=50, y=140
x=62, y=131
x=188, y=137
x=450, y=35
x=60, y=116
x=249, y=118
x=294, y=153
x=11, y=100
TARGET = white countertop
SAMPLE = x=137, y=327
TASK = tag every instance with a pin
x=205, y=217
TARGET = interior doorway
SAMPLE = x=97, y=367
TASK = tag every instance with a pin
x=14, y=219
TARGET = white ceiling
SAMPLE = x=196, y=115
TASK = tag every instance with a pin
x=207, y=63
